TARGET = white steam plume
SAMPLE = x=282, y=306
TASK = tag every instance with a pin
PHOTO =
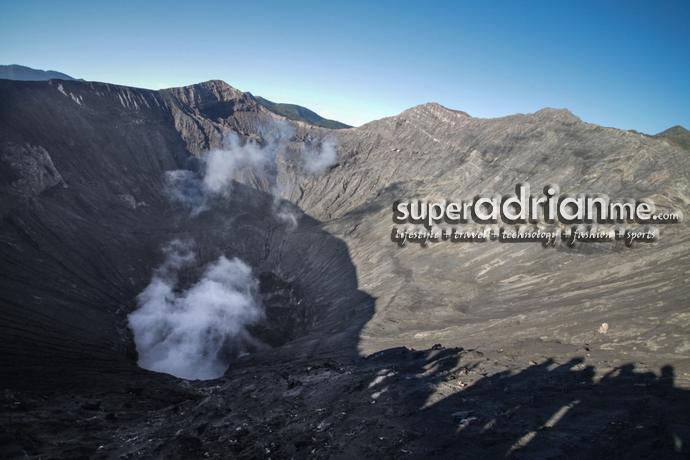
x=316, y=162
x=221, y=166
x=193, y=333
x=185, y=188
x=284, y=212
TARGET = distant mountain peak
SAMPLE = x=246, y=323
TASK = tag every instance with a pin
x=297, y=113
x=677, y=135
x=433, y=109
x=553, y=111
x=24, y=73
x=562, y=115
x=677, y=130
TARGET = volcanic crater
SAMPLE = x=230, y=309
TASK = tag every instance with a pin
x=367, y=349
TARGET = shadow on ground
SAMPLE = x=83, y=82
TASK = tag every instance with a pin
x=463, y=406
x=398, y=403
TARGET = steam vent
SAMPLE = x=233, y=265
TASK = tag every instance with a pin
x=187, y=275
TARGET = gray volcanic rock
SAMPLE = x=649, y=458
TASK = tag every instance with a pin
x=204, y=113
x=493, y=293
x=557, y=339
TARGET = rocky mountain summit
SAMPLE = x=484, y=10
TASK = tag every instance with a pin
x=531, y=348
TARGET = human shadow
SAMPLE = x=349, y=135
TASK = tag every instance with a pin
x=458, y=406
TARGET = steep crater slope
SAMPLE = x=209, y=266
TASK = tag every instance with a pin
x=86, y=210
x=628, y=299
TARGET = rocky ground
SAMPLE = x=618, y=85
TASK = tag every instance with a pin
x=579, y=403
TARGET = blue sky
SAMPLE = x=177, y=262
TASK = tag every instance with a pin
x=621, y=64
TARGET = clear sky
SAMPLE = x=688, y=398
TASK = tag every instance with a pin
x=623, y=64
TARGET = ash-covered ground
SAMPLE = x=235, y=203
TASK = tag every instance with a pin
x=570, y=402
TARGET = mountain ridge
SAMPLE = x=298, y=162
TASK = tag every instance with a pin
x=678, y=135
x=24, y=73
x=298, y=113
